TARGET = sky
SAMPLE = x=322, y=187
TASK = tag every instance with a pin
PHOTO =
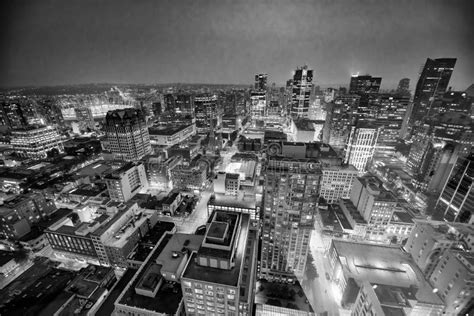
x=58, y=42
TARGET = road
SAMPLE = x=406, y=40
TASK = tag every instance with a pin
x=319, y=291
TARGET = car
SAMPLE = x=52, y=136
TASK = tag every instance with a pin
x=327, y=276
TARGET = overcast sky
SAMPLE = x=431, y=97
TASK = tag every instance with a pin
x=54, y=42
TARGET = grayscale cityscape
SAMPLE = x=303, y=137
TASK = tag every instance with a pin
x=268, y=158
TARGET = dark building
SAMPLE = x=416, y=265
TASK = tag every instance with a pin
x=127, y=135
x=456, y=202
x=432, y=84
x=302, y=85
x=364, y=84
x=261, y=82
x=404, y=86
x=206, y=113
x=184, y=104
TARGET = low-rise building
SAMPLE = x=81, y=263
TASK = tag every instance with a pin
x=36, y=141
x=126, y=181
x=171, y=135
x=188, y=178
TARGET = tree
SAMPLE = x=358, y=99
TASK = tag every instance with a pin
x=311, y=272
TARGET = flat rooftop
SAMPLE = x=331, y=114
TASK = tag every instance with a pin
x=239, y=201
x=167, y=131
x=168, y=297
x=402, y=217
x=128, y=230
x=354, y=213
x=381, y=264
x=94, y=169
x=176, y=244
x=220, y=276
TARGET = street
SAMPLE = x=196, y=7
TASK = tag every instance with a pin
x=319, y=291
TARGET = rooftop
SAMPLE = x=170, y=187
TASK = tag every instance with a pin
x=167, y=131
x=170, y=256
x=117, y=174
x=240, y=201
x=168, y=297
x=387, y=265
x=220, y=276
x=402, y=217
x=304, y=125
x=5, y=257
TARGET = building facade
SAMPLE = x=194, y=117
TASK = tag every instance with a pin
x=127, y=136
x=360, y=147
x=36, y=141
x=301, y=92
x=126, y=181
x=290, y=200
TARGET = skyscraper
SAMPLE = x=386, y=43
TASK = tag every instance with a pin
x=456, y=202
x=431, y=85
x=365, y=84
x=291, y=197
x=261, y=82
x=206, y=111
x=404, y=86
x=361, y=146
x=127, y=135
x=301, y=92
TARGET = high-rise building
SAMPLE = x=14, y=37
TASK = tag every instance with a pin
x=429, y=240
x=261, y=82
x=456, y=202
x=365, y=84
x=206, y=111
x=301, y=91
x=219, y=278
x=127, y=135
x=339, y=120
x=361, y=146
x=432, y=84
x=453, y=278
x=336, y=182
x=404, y=86
x=125, y=182
x=374, y=203
x=36, y=141
x=290, y=200
x=185, y=104
x=258, y=104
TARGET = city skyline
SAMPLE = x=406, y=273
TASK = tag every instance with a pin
x=51, y=43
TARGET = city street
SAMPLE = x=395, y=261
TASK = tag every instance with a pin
x=319, y=291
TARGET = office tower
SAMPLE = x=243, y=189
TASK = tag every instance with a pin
x=336, y=182
x=456, y=101
x=456, y=202
x=290, y=200
x=431, y=85
x=365, y=84
x=339, y=120
x=36, y=141
x=361, y=146
x=387, y=112
x=429, y=240
x=453, y=278
x=127, y=135
x=185, y=104
x=301, y=91
x=258, y=105
x=169, y=102
x=261, y=82
x=125, y=182
x=431, y=161
x=219, y=277
x=374, y=203
x=206, y=111
x=404, y=86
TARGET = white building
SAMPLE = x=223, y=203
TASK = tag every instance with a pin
x=360, y=147
x=35, y=141
x=126, y=181
x=336, y=182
